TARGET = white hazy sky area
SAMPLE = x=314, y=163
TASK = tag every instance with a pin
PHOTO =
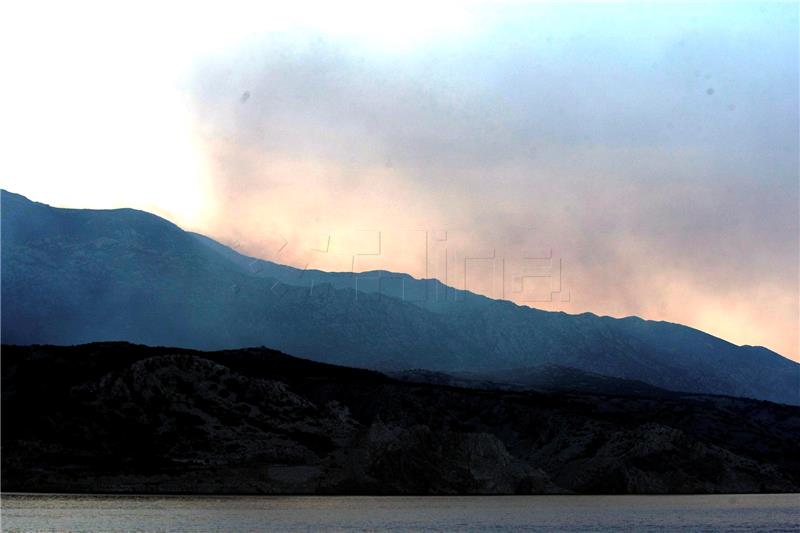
x=623, y=159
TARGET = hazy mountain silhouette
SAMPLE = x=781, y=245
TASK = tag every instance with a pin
x=543, y=378
x=72, y=276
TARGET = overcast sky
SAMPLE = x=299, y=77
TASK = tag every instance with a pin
x=650, y=152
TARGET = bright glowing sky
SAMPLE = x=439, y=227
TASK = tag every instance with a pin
x=653, y=150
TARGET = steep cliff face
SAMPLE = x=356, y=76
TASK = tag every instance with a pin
x=124, y=418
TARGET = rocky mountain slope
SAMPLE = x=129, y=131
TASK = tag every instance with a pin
x=73, y=276
x=116, y=417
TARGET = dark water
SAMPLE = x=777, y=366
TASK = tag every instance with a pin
x=22, y=512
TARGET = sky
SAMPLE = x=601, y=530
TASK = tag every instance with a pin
x=623, y=159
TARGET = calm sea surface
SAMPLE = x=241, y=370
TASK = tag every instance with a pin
x=24, y=512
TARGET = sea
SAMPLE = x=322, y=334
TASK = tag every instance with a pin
x=726, y=512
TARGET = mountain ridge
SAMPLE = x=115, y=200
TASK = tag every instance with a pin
x=72, y=276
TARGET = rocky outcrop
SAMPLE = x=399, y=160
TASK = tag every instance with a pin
x=116, y=417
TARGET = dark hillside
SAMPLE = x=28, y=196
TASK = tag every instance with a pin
x=117, y=417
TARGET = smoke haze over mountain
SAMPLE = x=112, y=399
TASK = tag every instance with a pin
x=645, y=159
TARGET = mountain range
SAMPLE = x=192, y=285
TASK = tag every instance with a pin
x=72, y=276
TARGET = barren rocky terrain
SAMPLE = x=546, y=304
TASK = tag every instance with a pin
x=117, y=417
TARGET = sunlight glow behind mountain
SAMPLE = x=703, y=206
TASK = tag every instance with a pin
x=653, y=149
